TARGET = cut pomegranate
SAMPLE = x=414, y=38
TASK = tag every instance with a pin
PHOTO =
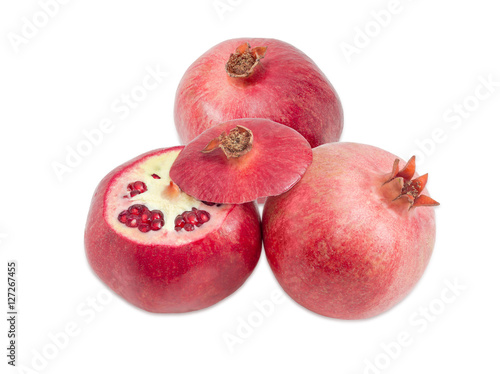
x=258, y=78
x=370, y=232
x=145, y=250
x=242, y=160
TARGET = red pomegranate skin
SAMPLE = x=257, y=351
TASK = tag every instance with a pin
x=269, y=168
x=287, y=87
x=338, y=244
x=173, y=278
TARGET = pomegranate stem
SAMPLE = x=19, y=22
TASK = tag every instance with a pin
x=237, y=143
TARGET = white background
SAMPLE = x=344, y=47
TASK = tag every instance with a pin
x=422, y=65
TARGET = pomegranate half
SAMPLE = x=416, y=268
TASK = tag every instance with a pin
x=354, y=235
x=161, y=249
x=241, y=160
x=257, y=78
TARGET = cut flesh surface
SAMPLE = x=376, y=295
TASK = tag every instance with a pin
x=162, y=195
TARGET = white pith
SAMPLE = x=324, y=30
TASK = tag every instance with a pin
x=156, y=198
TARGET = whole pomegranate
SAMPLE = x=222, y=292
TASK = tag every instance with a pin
x=258, y=78
x=354, y=235
x=161, y=249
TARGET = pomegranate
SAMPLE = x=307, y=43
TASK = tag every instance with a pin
x=241, y=160
x=354, y=235
x=258, y=78
x=161, y=249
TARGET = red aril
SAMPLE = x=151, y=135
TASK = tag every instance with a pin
x=258, y=78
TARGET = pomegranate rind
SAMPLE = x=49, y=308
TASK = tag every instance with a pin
x=172, y=277
x=278, y=159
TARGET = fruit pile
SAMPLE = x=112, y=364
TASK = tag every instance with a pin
x=347, y=229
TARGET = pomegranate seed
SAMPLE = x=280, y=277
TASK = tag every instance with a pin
x=179, y=221
x=190, y=217
x=144, y=227
x=136, y=209
x=203, y=216
x=146, y=216
x=133, y=193
x=155, y=176
x=140, y=186
x=122, y=217
x=130, y=187
x=132, y=220
x=156, y=214
x=188, y=227
x=157, y=224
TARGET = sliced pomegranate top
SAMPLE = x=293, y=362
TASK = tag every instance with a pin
x=241, y=160
x=143, y=204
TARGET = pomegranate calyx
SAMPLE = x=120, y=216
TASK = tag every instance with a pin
x=244, y=60
x=410, y=189
x=213, y=144
x=406, y=173
x=424, y=200
x=237, y=143
x=409, y=170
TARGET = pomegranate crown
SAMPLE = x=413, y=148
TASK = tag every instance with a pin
x=244, y=60
x=236, y=143
x=411, y=189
